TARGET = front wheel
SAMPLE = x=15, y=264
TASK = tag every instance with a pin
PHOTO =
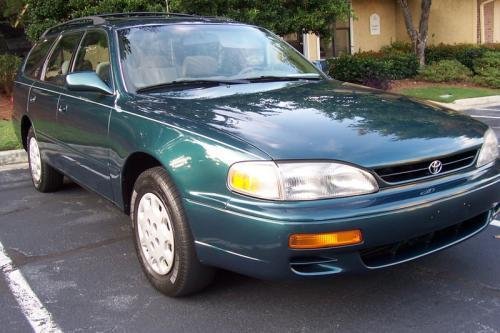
x=163, y=240
x=45, y=178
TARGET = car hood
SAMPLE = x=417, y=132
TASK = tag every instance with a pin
x=328, y=120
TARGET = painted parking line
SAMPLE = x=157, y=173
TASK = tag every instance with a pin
x=496, y=223
x=481, y=109
x=34, y=311
x=486, y=109
x=490, y=117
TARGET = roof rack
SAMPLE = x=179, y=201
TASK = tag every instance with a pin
x=96, y=20
x=138, y=14
x=101, y=19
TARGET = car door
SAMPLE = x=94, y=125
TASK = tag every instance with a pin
x=83, y=118
x=29, y=74
x=41, y=102
x=45, y=94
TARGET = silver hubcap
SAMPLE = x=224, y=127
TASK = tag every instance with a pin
x=35, y=161
x=156, y=235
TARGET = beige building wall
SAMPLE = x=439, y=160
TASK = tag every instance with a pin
x=362, y=40
x=311, y=46
x=450, y=22
x=496, y=34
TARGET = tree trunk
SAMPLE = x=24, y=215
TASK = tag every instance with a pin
x=418, y=37
x=420, y=52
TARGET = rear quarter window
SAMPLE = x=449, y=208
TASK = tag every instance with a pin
x=34, y=64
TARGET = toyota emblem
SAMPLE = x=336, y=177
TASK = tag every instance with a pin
x=435, y=167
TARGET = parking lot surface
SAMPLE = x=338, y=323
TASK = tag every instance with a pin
x=489, y=115
x=75, y=252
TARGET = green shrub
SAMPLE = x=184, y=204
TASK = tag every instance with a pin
x=464, y=53
x=488, y=69
x=446, y=71
x=9, y=65
x=374, y=69
x=362, y=69
x=398, y=46
x=402, y=65
x=491, y=47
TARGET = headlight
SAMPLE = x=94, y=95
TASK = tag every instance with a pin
x=293, y=181
x=489, y=150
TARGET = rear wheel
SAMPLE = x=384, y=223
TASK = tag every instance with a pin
x=45, y=178
x=164, y=243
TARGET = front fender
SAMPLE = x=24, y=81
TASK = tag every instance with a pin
x=196, y=162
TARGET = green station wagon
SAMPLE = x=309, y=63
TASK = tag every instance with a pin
x=230, y=150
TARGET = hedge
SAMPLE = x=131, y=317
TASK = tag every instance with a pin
x=9, y=65
x=396, y=61
x=446, y=71
x=374, y=69
x=488, y=69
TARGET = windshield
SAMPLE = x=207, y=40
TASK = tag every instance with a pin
x=163, y=54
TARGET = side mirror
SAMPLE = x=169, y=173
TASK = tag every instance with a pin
x=320, y=64
x=87, y=81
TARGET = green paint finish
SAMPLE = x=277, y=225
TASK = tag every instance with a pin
x=197, y=132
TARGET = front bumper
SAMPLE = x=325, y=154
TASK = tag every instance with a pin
x=398, y=224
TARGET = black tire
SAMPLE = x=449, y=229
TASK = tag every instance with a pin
x=50, y=179
x=187, y=275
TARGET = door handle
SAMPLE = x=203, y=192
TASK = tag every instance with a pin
x=32, y=98
x=62, y=108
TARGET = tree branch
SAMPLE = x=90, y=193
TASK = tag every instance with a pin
x=408, y=20
x=424, y=19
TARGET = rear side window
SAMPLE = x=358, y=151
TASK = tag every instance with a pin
x=94, y=55
x=60, y=59
x=36, y=59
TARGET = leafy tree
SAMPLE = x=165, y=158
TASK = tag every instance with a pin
x=43, y=14
x=280, y=16
x=10, y=9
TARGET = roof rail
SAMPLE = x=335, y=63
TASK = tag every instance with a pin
x=139, y=14
x=132, y=14
x=96, y=20
x=101, y=19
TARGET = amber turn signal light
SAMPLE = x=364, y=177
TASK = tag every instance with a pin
x=329, y=239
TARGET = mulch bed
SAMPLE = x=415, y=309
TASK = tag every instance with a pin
x=5, y=107
x=399, y=85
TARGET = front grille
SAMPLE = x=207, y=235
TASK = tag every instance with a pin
x=411, y=248
x=415, y=171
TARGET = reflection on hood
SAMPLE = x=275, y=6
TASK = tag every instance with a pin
x=322, y=120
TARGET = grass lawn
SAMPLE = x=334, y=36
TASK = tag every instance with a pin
x=8, y=139
x=448, y=94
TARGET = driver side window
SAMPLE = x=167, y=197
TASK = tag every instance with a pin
x=93, y=55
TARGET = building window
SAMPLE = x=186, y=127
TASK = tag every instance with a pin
x=295, y=40
x=339, y=42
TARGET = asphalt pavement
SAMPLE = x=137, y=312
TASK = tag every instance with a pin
x=75, y=253
x=489, y=115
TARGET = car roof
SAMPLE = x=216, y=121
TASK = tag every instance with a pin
x=123, y=20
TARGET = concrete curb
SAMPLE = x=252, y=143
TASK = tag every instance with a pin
x=471, y=103
x=13, y=157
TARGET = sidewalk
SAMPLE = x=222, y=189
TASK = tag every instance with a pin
x=9, y=157
x=471, y=103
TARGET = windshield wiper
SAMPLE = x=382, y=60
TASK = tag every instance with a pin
x=273, y=78
x=190, y=83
